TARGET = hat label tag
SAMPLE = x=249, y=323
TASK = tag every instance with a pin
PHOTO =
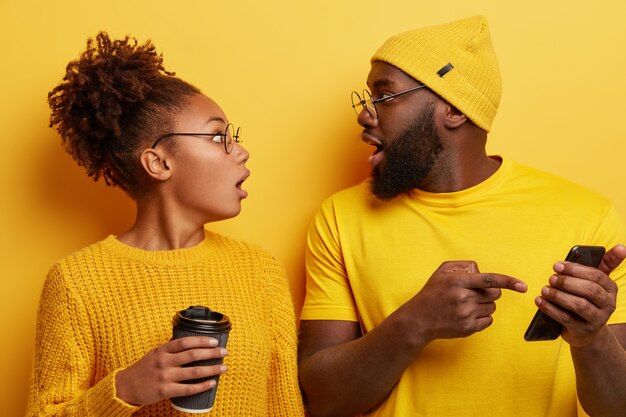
x=445, y=69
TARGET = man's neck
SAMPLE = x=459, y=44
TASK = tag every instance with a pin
x=457, y=174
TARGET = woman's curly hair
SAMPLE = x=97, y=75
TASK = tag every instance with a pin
x=115, y=98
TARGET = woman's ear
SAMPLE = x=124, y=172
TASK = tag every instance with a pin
x=154, y=163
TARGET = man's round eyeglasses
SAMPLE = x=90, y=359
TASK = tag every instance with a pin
x=358, y=103
x=229, y=137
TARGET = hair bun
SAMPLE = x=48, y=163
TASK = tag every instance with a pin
x=99, y=89
x=113, y=95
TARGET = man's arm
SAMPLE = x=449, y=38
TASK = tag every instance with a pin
x=343, y=373
x=601, y=372
x=598, y=349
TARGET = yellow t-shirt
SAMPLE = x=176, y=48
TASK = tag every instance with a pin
x=365, y=258
x=106, y=306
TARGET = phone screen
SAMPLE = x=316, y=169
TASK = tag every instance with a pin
x=543, y=327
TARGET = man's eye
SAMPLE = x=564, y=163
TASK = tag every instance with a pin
x=383, y=95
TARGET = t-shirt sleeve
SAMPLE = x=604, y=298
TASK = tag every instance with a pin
x=328, y=292
x=610, y=233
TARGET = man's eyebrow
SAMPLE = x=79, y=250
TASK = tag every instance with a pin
x=384, y=82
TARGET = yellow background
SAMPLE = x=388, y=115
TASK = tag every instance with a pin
x=283, y=70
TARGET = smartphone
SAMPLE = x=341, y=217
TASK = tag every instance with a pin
x=543, y=327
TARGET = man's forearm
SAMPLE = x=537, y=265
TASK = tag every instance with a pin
x=354, y=377
x=601, y=375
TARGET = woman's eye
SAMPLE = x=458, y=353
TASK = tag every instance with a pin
x=218, y=138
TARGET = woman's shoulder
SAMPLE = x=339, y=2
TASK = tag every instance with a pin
x=71, y=271
x=250, y=259
x=242, y=247
x=84, y=254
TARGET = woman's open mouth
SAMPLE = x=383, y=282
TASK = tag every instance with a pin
x=243, y=193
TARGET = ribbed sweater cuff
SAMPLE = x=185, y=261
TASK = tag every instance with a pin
x=102, y=399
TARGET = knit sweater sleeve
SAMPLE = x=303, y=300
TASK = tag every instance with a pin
x=62, y=380
x=284, y=392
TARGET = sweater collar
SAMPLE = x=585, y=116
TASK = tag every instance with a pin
x=174, y=256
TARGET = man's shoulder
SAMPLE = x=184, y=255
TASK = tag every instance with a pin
x=553, y=185
x=348, y=198
x=358, y=191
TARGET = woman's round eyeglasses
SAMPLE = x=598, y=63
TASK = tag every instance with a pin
x=229, y=137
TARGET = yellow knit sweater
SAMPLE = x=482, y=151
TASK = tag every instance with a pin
x=107, y=305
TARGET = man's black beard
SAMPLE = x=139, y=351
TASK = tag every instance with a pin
x=409, y=159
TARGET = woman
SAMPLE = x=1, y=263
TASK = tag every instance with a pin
x=104, y=323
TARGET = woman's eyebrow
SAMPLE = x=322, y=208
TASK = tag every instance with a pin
x=216, y=119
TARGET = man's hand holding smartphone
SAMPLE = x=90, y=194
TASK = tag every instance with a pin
x=580, y=298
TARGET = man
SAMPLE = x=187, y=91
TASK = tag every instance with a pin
x=404, y=272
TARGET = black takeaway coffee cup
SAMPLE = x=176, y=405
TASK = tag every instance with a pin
x=200, y=321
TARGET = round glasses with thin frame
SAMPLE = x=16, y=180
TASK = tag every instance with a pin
x=229, y=137
x=367, y=102
x=358, y=103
